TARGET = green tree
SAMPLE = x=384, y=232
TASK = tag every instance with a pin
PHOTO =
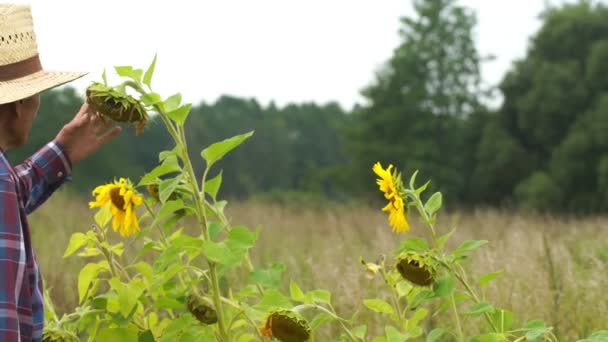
x=554, y=113
x=419, y=103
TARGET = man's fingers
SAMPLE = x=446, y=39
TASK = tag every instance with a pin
x=84, y=109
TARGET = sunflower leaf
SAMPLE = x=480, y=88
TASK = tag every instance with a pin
x=212, y=186
x=217, y=150
x=433, y=204
x=150, y=72
x=180, y=114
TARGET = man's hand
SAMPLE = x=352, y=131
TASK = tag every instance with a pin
x=82, y=136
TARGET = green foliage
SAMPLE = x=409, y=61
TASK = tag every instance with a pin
x=417, y=116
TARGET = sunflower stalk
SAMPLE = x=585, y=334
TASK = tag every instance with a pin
x=177, y=132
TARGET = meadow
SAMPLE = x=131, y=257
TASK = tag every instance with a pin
x=554, y=268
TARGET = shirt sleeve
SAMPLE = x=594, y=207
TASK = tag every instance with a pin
x=42, y=174
x=12, y=260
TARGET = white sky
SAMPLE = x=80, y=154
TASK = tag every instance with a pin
x=281, y=50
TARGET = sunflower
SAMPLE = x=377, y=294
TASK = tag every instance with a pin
x=122, y=198
x=286, y=326
x=389, y=184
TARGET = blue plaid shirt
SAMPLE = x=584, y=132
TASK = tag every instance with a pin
x=23, y=189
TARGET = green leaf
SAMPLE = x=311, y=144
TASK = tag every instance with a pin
x=150, y=72
x=535, y=329
x=487, y=278
x=104, y=77
x=403, y=288
x=151, y=99
x=444, y=286
x=214, y=229
x=479, y=309
x=503, y=319
x=117, y=335
x=441, y=241
x=217, y=252
x=103, y=215
x=468, y=246
x=128, y=294
x=360, y=331
x=146, y=336
x=268, y=278
x=418, y=316
x=393, y=335
x=212, y=186
x=598, y=336
x=217, y=150
x=319, y=320
x=435, y=334
x=173, y=102
x=295, y=292
x=274, y=299
x=240, y=237
x=167, y=209
x=413, y=244
x=320, y=296
x=433, y=204
x=77, y=240
x=169, y=165
x=413, y=180
x=128, y=71
x=379, y=305
x=167, y=187
x=180, y=114
x=87, y=275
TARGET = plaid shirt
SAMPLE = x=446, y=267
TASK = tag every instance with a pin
x=22, y=190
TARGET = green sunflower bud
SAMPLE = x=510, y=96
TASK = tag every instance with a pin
x=417, y=268
x=201, y=309
x=153, y=191
x=286, y=326
x=116, y=105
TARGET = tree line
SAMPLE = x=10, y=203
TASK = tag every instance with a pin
x=545, y=147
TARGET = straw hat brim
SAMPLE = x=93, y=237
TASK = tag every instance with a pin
x=35, y=83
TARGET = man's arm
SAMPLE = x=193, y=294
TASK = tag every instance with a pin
x=12, y=260
x=42, y=174
x=45, y=171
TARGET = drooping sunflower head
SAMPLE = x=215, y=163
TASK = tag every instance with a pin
x=122, y=198
x=391, y=185
x=419, y=268
x=113, y=103
x=201, y=309
x=286, y=326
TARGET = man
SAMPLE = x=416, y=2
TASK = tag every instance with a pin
x=26, y=186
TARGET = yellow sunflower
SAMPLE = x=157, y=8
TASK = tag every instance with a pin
x=396, y=207
x=122, y=198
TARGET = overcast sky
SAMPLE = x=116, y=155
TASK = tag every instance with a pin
x=281, y=50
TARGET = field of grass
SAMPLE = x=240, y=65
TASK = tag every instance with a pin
x=555, y=269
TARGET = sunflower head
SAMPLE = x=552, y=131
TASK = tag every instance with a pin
x=286, y=326
x=116, y=105
x=391, y=184
x=201, y=309
x=122, y=199
x=418, y=268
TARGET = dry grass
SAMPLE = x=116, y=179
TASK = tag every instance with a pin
x=562, y=282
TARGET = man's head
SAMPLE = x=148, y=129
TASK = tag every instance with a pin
x=22, y=77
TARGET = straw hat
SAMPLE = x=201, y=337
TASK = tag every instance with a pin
x=21, y=74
